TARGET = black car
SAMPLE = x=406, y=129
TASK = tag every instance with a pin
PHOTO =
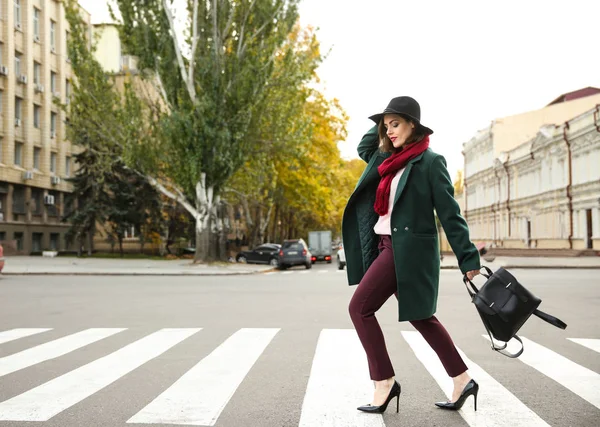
x=263, y=254
x=294, y=252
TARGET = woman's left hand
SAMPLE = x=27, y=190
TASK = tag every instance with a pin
x=471, y=274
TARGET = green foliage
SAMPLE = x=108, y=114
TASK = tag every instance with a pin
x=213, y=94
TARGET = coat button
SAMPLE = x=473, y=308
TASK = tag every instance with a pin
x=405, y=228
x=395, y=229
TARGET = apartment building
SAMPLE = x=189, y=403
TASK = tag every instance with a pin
x=532, y=180
x=35, y=157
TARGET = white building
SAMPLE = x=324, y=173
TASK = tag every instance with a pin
x=533, y=180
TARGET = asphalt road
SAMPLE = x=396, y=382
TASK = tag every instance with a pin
x=276, y=350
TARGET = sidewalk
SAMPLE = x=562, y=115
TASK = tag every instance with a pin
x=19, y=265
x=450, y=262
x=23, y=265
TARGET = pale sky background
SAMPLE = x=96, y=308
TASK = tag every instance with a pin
x=466, y=62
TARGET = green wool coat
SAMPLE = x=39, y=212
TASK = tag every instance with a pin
x=424, y=186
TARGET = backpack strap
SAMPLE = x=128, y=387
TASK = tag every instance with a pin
x=550, y=319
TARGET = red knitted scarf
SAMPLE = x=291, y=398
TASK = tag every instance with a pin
x=391, y=165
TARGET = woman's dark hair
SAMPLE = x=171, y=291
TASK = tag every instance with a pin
x=386, y=145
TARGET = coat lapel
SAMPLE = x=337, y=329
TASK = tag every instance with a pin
x=404, y=177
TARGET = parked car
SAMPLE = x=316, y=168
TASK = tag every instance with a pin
x=341, y=257
x=267, y=253
x=294, y=252
x=1, y=258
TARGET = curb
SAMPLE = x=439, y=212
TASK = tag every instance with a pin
x=245, y=273
x=553, y=267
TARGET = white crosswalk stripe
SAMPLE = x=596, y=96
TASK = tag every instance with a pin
x=494, y=401
x=592, y=344
x=339, y=376
x=580, y=380
x=199, y=396
x=53, y=349
x=15, y=334
x=53, y=397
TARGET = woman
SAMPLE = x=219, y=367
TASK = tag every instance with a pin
x=391, y=244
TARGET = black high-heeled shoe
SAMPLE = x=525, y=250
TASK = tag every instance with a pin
x=472, y=388
x=394, y=392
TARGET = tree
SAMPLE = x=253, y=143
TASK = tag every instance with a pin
x=212, y=97
x=459, y=183
x=134, y=203
x=284, y=130
x=89, y=196
x=101, y=124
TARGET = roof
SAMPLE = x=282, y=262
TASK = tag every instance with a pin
x=581, y=93
x=510, y=132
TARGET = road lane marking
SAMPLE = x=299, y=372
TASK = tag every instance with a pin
x=15, y=334
x=201, y=394
x=51, y=398
x=53, y=349
x=580, y=380
x=339, y=382
x=592, y=344
x=496, y=406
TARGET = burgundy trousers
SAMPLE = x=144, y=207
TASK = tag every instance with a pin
x=377, y=285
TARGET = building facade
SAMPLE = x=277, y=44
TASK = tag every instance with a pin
x=533, y=181
x=35, y=157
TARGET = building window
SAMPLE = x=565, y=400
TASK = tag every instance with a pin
x=36, y=242
x=53, y=208
x=67, y=166
x=36, y=23
x=53, y=36
x=53, y=123
x=18, y=236
x=37, y=199
x=17, y=12
x=53, y=82
x=18, y=105
x=67, y=91
x=19, y=154
x=53, y=162
x=1, y=93
x=18, y=206
x=54, y=237
x=67, y=36
x=37, y=153
x=17, y=64
x=36, y=116
x=37, y=72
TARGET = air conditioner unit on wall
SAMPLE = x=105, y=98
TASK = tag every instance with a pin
x=27, y=175
x=52, y=134
x=18, y=26
x=49, y=199
x=23, y=79
x=39, y=88
x=17, y=122
x=36, y=39
x=4, y=70
x=55, y=180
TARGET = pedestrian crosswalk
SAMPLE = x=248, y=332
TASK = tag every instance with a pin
x=338, y=375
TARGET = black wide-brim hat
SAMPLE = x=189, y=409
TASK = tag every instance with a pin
x=404, y=106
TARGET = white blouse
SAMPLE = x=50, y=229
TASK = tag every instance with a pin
x=384, y=226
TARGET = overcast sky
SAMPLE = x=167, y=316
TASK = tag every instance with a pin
x=465, y=61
